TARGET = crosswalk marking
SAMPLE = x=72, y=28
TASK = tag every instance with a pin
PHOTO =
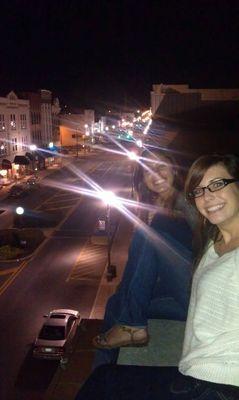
x=90, y=257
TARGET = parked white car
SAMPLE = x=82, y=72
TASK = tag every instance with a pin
x=56, y=335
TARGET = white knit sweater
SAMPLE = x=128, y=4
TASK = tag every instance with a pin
x=211, y=343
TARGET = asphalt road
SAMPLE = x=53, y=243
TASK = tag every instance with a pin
x=56, y=277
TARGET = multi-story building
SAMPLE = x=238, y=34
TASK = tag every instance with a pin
x=14, y=134
x=44, y=113
x=74, y=128
x=35, y=114
x=56, y=121
x=167, y=99
x=195, y=121
x=46, y=117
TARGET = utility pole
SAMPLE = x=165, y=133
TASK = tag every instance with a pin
x=77, y=144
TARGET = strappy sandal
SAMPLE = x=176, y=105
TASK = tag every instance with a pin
x=103, y=340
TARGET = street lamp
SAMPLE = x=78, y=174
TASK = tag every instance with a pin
x=134, y=158
x=109, y=199
x=33, y=148
x=20, y=212
x=22, y=241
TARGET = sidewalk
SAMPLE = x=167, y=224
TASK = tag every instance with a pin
x=163, y=350
x=68, y=381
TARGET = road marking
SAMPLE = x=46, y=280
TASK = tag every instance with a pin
x=19, y=269
x=58, y=208
x=8, y=271
x=91, y=169
x=9, y=281
x=77, y=261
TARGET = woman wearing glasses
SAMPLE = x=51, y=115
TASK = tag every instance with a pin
x=211, y=345
x=209, y=366
x=157, y=276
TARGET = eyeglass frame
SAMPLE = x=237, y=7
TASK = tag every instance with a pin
x=225, y=181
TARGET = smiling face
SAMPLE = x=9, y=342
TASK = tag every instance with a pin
x=159, y=176
x=221, y=208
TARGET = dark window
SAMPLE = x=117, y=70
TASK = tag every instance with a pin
x=23, y=121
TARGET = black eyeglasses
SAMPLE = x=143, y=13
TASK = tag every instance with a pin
x=212, y=187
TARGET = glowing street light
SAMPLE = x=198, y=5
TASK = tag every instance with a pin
x=33, y=148
x=19, y=210
x=133, y=156
x=51, y=145
x=139, y=143
x=147, y=127
x=109, y=198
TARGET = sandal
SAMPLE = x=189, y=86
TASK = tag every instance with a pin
x=122, y=336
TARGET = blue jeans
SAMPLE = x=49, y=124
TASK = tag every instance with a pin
x=156, y=281
x=120, y=382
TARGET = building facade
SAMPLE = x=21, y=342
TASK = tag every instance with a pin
x=168, y=99
x=56, y=122
x=75, y=128
x=15, y=134
x=46, y=117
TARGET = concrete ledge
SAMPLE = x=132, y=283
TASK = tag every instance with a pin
x=164, y=348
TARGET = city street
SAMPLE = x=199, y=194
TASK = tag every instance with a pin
x=64, y=272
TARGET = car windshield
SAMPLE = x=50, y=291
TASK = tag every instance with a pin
x=49, y=332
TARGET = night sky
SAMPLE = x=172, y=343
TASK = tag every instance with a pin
x=107, y=54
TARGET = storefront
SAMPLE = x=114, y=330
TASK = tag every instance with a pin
x=6, y=172
x=21, y=166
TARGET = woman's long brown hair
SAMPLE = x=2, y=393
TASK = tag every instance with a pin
x=147, y=196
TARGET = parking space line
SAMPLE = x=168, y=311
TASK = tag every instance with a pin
x=12, y=277
x=74, y=268
x=14, y=272
x=58, y=208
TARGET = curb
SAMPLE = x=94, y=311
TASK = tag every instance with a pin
x=17, y=259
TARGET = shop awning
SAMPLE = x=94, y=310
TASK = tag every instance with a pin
x=30, y=156
x=6, y=164
x=21, y=160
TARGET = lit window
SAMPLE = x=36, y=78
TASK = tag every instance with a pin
x=2, y=149
x=2, y=123
x=13, y=121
